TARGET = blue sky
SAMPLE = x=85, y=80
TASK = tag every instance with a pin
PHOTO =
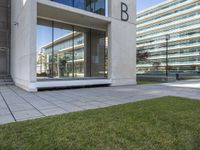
x=143, y=4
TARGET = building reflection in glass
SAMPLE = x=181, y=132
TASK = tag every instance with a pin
x=66, y=51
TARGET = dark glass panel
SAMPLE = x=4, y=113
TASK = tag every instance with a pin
x=97, y=53
x=96, y=6
x=99, y=7
x=88, y=5
x=81, y=49
x=79, y=4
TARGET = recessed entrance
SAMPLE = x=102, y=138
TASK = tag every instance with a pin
x=3, y=61
x=4, y=37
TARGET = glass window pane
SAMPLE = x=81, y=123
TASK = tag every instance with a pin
x=63, y=50
x=44, y=48
x=96, y=6
x=88, y=5
x=84, y=4
x=65, y=2
x=99, y=7
x=97, y=53
x=79, y=4
x=82, y=52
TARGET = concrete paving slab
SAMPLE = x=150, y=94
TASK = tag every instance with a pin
x=53, y=111
x=32, y=113
x=20, y=107
x=77, y=103
x=24, y=105
x=6, y=119
x=4, y=112
x=69, y=107
x=30, y=118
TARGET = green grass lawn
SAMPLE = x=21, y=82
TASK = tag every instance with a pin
x=164, y=123
x=146, y=82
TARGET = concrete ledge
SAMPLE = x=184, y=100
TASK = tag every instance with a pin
x=71, y=83
x=30, y=87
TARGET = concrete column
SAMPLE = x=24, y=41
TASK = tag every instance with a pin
x=122, y=43
x=23, y=43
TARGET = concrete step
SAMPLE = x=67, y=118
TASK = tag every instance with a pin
x=6, y=80
x=6, y=83
x=5, y=76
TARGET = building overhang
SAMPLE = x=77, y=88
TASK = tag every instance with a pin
x=62, y=13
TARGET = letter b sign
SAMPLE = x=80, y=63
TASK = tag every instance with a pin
x=124, y=12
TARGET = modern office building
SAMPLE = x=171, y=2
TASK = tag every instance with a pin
x=65, y=43
x=170, y=33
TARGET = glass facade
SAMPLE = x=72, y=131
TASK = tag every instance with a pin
x=95, y=6
x=180, y=20
x=168, y=5
x=70, y=52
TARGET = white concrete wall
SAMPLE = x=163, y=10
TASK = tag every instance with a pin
x=122, y=44
x=23, y=43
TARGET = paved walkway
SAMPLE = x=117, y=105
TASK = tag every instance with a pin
x=18, y=105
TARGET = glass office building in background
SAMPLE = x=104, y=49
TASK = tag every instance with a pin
x=179, y=20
